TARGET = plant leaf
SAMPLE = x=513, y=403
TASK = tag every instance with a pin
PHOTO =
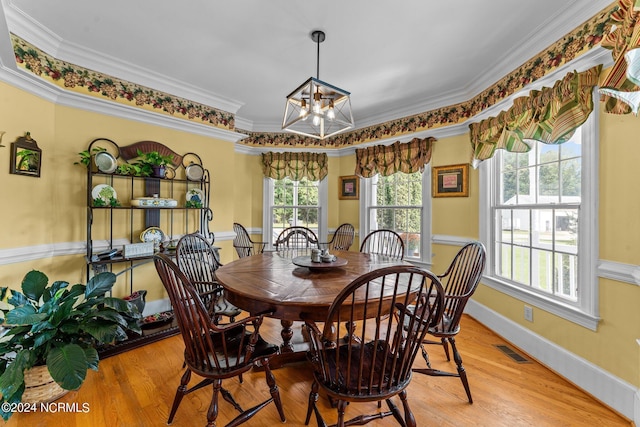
x=100, y=284
x=53, y=289
x=17, y=299
x=62, y=312
x=112, y=316
x=44, y=337
x=13, y=377
x=123, y=306
x=92, y=358
x=104, y=331
x=25, y=315
x=33, y=284
x=68, y=366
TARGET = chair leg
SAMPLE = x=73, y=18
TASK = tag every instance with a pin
x=409, y=419
x=461, y=371
x=180, y=392
x=313, y=398
x=425, y=356
x=342, y=406
x=445, y=346
x=212, y=413
x=273, y=388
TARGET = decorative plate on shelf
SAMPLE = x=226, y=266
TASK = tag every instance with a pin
x=194, y=172
x=195, y=198
x=152, y=235
x=104, y=192
x=106, y=162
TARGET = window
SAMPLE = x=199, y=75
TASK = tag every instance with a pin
x=537, y=218
x=400, y=202
x=290, y=203
x=538, y=222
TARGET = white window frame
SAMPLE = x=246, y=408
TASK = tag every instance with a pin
x=367, y=197
x=267, y=203
x=586, y=311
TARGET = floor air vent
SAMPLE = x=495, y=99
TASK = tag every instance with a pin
x=512, y=353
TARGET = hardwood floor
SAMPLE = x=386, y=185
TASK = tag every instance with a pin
x=136, y=388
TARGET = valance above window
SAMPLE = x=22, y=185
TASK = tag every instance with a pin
x=386, y=160
x=295, y=165
x=550, y=115
x=621, y=88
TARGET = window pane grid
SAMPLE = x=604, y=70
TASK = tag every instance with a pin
x=295, y=203
x=537, y=217
x=397, y=206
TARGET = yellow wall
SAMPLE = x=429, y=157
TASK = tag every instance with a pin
x=613, y=346
x=51, y=210
x=348, y=211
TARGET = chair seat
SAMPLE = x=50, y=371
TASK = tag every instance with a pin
x=233, y=339
x=370, y=356
x=225, y=308
x=443, y=328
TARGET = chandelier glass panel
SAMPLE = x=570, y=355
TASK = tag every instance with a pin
x=316, y=108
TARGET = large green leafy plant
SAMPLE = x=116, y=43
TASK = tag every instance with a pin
x=60, y=326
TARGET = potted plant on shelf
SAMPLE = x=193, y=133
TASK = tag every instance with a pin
x=54, y=330
x=153, y=163
x=86, y=156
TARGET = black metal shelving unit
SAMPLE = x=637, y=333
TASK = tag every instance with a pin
x=112, y=219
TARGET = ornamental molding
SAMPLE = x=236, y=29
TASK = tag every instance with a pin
x=71, y=79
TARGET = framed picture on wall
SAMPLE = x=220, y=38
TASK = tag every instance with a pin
x=349, y=186
x=451, y=181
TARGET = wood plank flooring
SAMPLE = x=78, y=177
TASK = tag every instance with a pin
x=136, y=389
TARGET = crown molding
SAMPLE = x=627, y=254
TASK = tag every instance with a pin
x=31, y=31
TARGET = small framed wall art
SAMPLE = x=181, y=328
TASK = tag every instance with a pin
x=26, y=157
x=349, y=186
x=451, y=181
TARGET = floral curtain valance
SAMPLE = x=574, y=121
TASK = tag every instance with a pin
x=621, y=88
x=296, y=166
x=550, y=115
x=386, y=160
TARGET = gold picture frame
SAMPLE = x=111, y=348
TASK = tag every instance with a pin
x=451, y=181
x=349, y=187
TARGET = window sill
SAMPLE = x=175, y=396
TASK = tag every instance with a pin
x=565, y=311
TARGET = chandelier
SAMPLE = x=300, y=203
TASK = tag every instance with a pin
x=316, y=108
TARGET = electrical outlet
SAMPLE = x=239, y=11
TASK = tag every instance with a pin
x=528, y=313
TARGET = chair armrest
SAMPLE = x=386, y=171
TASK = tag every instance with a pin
x=255, y=320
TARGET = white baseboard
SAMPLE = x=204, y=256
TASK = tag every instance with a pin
x=609, y=389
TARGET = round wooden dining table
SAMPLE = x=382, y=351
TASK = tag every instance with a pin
x=281, y=284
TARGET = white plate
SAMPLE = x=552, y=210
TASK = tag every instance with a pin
x=194, y=172
x=195, y=195
x=106, y=162
x=152, y=235
x=104, y=192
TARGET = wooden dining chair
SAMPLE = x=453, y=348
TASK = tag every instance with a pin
x=296, y=237
x=243, y=244
x=215, y=352
x=374, y=363
x=197, y=259
x=383, y=242
x=342, y=239
x=460, y=282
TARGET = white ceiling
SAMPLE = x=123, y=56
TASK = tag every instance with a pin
x=245, y=56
